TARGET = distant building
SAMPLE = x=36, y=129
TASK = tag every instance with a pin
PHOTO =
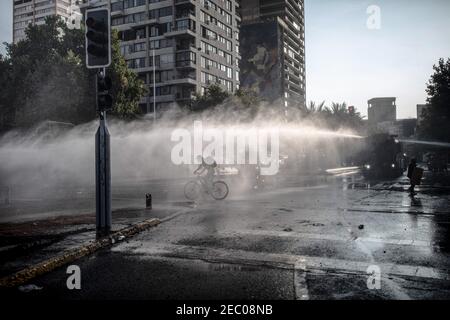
x=381, y=110
x=273, y=49
x=27, y=12
x=420, y=109
x=404, y=128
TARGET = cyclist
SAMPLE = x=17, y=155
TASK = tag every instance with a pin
x=209, y=165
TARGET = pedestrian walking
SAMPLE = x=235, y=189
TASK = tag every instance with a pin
x=411, y=167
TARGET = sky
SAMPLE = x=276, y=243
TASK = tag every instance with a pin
x=347, y=61
x=5, y=23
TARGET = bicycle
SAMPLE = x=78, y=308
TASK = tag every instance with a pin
x=193, y=189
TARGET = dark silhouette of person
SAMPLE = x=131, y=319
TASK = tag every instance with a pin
x=411, y=167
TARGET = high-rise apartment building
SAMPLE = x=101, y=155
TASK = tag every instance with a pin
x=27, y=12
x=191, y=43
x=273, y=49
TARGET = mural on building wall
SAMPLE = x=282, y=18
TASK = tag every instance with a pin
x=260, y=66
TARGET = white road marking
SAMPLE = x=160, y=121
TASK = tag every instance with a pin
x=278, y=260
x=331, y=237
x=300, y=284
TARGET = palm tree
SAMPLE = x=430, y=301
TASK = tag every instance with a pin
x=313, y=109
x=342, y=116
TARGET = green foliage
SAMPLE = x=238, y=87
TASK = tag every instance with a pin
x=339, y=115
x=6, y=112
x=213, y=96
x=314, y=109
x=248, y=98
x=127, y=87
x=436, y=118
x=57, y=90
x=44, y=78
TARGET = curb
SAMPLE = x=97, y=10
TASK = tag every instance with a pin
x=66, y=257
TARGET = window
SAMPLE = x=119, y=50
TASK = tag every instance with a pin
x=140, y=33
x=116, y=21
x=185, y=58
x=116, y=6
x=166, y=58
x=158, y=13
x=136, y=63
x=140, y=47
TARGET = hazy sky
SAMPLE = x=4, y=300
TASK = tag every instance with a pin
x=5, y=23
x=347, y=61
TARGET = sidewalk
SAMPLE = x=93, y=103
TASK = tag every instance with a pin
x=31, y=243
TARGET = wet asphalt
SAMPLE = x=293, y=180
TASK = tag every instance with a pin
x=300, y=239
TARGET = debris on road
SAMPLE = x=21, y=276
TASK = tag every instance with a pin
x=29, y=288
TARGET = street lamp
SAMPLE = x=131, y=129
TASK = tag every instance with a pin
x=154, y=87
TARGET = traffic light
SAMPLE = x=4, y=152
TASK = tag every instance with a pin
x=104, y=98
x=351, y=109
x=98, y=38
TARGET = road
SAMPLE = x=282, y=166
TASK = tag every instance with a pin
x=299, y=239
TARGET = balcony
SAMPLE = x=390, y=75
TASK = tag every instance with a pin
x=186, y=47
x=186, y=64
x=181, y=32
x=190, y=14
x=180, y=2
x=184, y=96
x=182, y=80
x=162, y=98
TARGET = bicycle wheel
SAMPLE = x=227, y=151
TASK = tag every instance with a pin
x=219, y=190
x=192, y=190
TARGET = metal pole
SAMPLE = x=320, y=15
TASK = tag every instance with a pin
x=154, y=88
x=103, y=175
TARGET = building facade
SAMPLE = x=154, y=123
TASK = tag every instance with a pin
x=403, y=128
x=273, y=49
x=381, y=110
x=186, y=45
x=27, y=12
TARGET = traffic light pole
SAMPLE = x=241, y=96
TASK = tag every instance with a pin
x=98, y=57
x=103, y=174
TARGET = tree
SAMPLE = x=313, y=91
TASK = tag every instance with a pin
x=47, y=78
x=248, y=103
x=58, y=89
x=312, y=108
x=6, y=112
x=339, y=115
x=436, y=118
x=213, y=96
x=248, y=97
x=127, y=87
